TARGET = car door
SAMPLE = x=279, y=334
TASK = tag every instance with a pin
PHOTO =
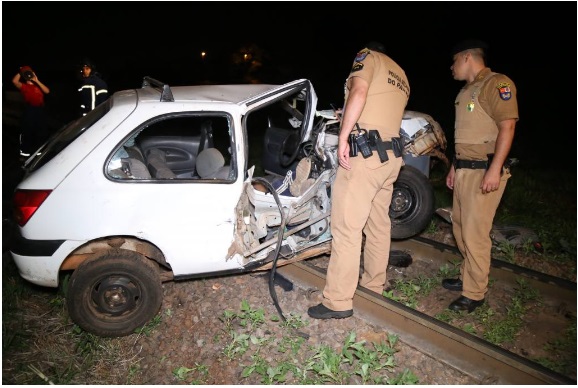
x=297, y=101
x=191, y=218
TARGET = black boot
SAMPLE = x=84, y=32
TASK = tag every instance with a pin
x=463, y=303
x=322, y=312
x=452, y=284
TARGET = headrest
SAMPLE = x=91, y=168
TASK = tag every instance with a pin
x=209, y=161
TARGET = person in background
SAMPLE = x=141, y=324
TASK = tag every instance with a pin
x=93, y=90
x=376, y=94
x=486, y=115
x=34, y=130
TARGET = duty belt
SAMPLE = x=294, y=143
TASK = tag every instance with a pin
x=365, y=142
x=388, y=145
x=472, y=164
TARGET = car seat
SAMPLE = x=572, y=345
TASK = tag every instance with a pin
x=211, y=165
x=206, y=138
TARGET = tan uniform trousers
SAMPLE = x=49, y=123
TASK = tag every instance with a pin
x=360, y=203
x=472, y=217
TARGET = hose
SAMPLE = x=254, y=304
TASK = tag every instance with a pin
x=280, y=234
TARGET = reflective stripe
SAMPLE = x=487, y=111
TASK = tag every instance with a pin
x=92, y=94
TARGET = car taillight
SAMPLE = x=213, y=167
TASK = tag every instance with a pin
x=26, y=202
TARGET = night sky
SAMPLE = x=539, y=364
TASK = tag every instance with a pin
x=534, y=43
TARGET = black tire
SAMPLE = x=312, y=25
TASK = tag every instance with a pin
x=412, y=204
x=114, y=293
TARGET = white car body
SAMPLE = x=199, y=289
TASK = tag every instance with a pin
x=190, y=222
x=158, y=183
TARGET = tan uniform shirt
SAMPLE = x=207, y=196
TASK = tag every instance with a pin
x=480, y=105
x=388, y=92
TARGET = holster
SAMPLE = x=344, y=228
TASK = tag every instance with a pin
x=352, y=145
x=376, y=142
x=396, y=145
x=368, y=141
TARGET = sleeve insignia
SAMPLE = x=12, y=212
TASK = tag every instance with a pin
x=361, y=55
x=357, y=66
x=504, y=91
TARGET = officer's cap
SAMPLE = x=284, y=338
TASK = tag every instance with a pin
x=376, y=46
x=86, y=62
x=469, y=44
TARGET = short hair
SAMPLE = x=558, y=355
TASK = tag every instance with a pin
x=476, y=47
x=469, y=44
x=376, y=46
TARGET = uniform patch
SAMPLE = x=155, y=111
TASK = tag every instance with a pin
x=357, y=66
x=504, y=91
x=361, y=55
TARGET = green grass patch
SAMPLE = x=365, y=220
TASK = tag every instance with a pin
x=286, y=360
x=541, y=200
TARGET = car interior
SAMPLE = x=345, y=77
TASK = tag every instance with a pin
x=176, y=147
x=197, y=146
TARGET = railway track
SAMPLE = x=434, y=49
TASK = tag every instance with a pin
x=470, y=355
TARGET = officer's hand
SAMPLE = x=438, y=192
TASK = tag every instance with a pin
x=450, y=178
x=343, y=154
x=490, y=182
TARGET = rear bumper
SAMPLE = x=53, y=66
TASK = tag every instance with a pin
x=34, y=259
x=22, y=246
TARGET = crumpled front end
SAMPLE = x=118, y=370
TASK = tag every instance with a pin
x=423, y=136
x=303, y=221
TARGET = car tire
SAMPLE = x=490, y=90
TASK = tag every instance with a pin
x=114, y=293
x=412, y=203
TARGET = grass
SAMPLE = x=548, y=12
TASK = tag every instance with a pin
x=34, y=319
x=541, y=200
x=410, y=291
x=497, y=327
x=557, y=349
x=501, y=330
x=357, y=360
x=73, y=356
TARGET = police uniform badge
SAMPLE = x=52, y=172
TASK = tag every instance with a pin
x=361, y=55
x=357, y=66
x=504, y=91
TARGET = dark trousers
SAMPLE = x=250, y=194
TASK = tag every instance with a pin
x=34, y=129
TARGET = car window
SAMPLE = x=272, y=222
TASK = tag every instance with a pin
x=177, y=147
x=66, y=135
x=274, y=133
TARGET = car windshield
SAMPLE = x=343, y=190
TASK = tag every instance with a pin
x=66, y=135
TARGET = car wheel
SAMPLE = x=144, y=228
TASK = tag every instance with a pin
x=412, y=203
x=114, y=293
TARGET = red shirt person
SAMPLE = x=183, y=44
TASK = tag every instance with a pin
x=34, y=130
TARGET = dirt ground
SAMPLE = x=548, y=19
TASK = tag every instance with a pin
x=192, y=341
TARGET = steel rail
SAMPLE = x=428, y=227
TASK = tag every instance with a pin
x=561, y=290
x=471, y=355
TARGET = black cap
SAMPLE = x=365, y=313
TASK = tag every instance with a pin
x=376, y=46
x=469, y=44
x=88, y=63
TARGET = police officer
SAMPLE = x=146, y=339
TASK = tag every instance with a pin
x=93, y=90
x=376, y=94
x=486, y=115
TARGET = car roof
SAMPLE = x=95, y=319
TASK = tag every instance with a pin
x=234, y=94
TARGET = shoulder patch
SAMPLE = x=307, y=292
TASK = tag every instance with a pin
x=362, y=55
x=504, y=90
x=357, y=66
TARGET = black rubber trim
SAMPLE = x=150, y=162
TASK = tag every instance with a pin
x=24, y=247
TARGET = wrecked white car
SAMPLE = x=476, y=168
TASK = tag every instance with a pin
x=164, y=183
